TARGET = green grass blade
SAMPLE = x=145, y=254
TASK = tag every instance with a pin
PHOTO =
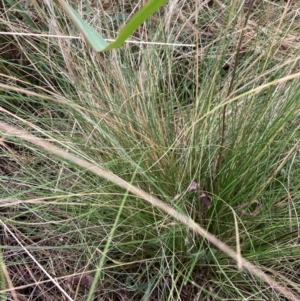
x=23, y=13
x=135, y=22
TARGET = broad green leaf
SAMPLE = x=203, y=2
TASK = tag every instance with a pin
x=96, y=41
x=90, y=34
x=148, y=9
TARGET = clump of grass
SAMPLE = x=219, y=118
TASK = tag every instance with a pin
x=153, y=115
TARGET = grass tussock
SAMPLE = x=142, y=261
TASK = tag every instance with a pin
x=211, y=130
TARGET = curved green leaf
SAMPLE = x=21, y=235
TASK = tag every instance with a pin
x=148, y=9
x=93, y=38
x=96, y=41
